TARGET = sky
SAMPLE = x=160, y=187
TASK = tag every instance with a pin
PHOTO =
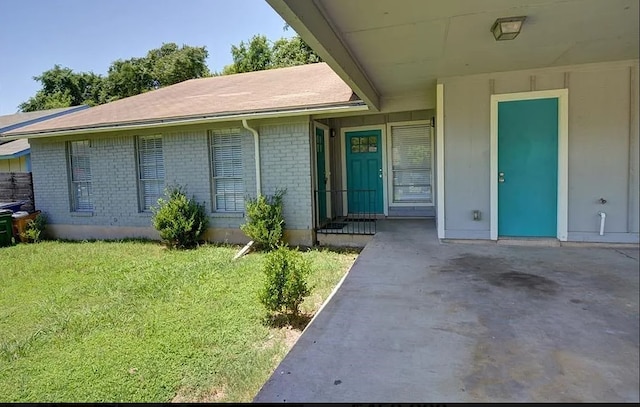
x=87, y=35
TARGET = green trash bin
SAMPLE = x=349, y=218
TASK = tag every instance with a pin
x=6, y=228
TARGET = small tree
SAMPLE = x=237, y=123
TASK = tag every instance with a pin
x=265, y=223
x=285, y=286
x=181, y=221
x=34, y=229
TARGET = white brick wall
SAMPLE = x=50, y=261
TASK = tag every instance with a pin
x=285, y=160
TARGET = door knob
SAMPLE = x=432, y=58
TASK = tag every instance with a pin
x=501, y=177
x=380, y=172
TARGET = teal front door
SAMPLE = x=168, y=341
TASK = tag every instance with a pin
x=364, y=171
x=528, y=168
x=321, y=178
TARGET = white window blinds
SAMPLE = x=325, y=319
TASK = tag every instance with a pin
x=150, y=170
x=80, y=164
x=228, y=183
x=411, y=164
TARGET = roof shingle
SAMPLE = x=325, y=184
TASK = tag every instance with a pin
x=293, y=87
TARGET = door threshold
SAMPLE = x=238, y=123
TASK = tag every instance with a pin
x=529, y=241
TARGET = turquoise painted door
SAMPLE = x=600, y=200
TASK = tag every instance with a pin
x=364, y=171
x=322, y=175
x=528, y=168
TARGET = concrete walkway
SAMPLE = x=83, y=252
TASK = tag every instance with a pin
x=417, y=320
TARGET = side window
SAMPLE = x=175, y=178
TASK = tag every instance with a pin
x=227, y=172
x=411, y=162
x=79, y=156
x=150, y=171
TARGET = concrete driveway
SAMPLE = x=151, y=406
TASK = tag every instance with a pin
x=421, y=321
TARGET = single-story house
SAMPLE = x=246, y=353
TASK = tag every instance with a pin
x=535, y=105
x=15, y=155
x=418, y=112
x=97, y=172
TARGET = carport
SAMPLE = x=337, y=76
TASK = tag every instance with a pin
x=417, y=320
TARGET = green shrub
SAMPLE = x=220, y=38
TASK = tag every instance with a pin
x=265, y=224
x=33, y=231
x=181, y=221
x=286, y=285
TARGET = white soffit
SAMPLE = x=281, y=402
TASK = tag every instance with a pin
x=403, y=46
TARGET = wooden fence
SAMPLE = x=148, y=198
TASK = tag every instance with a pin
x=17, y=186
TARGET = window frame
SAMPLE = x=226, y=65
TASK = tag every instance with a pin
x=390, y=164
x=141, y=181
x=216, y=179
x=74, y=203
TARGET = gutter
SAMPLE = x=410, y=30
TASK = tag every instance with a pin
x=256, y=141
x=351, y=107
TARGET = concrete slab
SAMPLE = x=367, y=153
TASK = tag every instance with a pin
x=417, y=320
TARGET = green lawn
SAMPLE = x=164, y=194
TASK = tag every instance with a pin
x=132, y=321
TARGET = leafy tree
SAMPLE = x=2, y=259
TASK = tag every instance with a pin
x=258, y=55
x=252, y=56
x=162, y=66
x=61, y=87
x=127, y=78
x=291, y=52
x=167, y=65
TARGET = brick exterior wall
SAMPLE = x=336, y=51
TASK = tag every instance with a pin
x=285, y=162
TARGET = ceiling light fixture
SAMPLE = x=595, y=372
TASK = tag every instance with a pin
x=507, y=28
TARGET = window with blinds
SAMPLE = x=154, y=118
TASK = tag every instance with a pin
x=80, y=168
x=226, y=165
x=150, y=171
x=411, y=164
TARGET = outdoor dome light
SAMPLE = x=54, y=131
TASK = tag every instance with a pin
x=507, y=28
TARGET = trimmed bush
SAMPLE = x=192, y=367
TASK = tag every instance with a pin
x=265, y=223
x=180, y=220
x=286, y=286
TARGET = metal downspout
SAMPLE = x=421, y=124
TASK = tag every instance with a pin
x=256, y=141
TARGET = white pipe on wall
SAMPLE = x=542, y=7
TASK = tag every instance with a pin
x=603, y=216
x=256, y=141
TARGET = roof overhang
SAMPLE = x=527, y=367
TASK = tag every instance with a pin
x=15, y=155
x=14, y=149
x=392, y=53
x=351, y=107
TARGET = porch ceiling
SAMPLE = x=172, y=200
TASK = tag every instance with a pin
x=390, y=50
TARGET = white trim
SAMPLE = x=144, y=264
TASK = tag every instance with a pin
x=563, y=155
x=389, y=179
x=343, y=149
x=327, y=166
x=440, y=160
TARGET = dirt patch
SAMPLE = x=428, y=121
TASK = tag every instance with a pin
x=287, y=335
x=211, y=395
x=298, y=322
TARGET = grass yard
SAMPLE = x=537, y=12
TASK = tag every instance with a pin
x=132, y=321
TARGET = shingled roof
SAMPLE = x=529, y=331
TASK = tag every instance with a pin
x=298, y=87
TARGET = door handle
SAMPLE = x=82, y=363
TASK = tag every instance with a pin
x=380, y=172
x=501, y=177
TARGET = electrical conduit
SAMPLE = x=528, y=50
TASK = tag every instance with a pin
x=602, y=218
x=256, y=141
